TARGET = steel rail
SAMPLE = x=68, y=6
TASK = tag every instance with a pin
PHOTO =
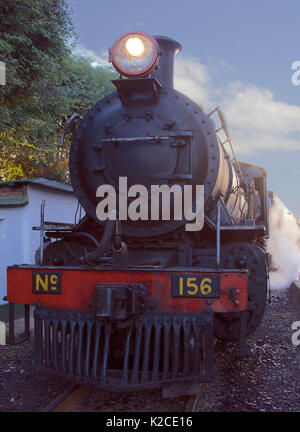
x=65, y=401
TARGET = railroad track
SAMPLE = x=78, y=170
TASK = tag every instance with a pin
x=192, y=403
x=69, y=399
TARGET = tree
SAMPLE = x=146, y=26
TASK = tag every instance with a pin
x=33, y=45
x=46, y=84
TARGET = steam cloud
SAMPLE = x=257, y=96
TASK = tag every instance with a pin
x=283, y=245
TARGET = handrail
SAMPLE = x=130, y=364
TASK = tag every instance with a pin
x=228, y=137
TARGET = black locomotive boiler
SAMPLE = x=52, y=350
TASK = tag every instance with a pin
x=127, y=304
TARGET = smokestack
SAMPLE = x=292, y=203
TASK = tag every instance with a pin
x=165, y=72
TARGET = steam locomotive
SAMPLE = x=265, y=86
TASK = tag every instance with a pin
x=129, y=303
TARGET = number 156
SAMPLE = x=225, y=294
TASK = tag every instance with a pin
x=205, y=287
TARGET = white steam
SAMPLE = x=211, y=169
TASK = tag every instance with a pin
x=283, y=245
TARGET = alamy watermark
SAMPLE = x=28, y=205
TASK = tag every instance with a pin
x=295, y=78
x=296, y=335
x=186, y=203
x=2, y=73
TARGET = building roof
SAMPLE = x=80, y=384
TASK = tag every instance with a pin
x=42, y=182
x=11, y=196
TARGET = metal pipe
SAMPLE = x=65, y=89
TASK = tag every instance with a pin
x=134, y=139
x=73, y=235
x=42, y=232
x=218, y=230
x=91, y=258
x=69, y=122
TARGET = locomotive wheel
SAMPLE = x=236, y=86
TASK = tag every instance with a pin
x=253, y=258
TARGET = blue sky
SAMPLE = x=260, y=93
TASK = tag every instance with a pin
x=237, y=54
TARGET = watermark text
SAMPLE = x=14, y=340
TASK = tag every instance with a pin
x=186, y=203
x=296, y=335
x=295, y=78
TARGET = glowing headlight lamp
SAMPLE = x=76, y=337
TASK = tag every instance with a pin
x=134, y=54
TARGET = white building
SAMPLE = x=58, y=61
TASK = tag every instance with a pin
x=20, y=210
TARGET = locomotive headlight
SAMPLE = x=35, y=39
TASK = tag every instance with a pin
x=134, y=54
x=135, y=46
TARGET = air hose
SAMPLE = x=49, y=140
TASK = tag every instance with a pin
x=91, y=258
